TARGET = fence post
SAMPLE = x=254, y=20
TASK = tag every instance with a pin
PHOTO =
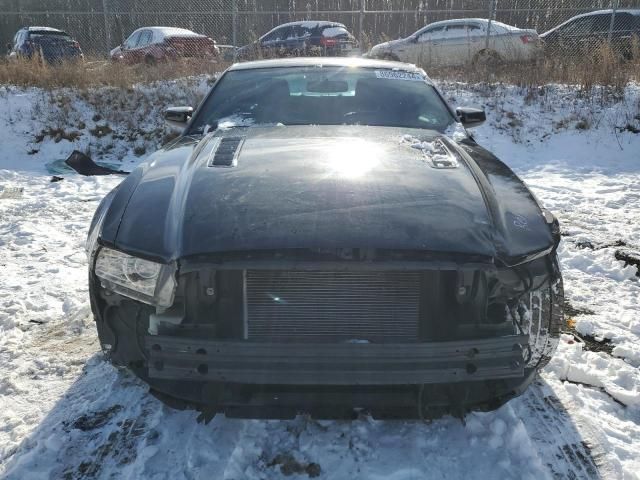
x=234, y=27
x=363, y=9
x=107, y=29
x=493, y=7
x=613, y=18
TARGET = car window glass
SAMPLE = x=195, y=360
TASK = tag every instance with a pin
x=580, y=26
x=334, y=32
x=145, y=38
x=296, y=32
x=48, y=36
x=601, y=23
x=268, y=37
x=474, y=30
x=284, y=33
x=132, y=41
x=431, y=34
x=328, y=96
x=275, y=35
x=456, y=30
x=623, y=23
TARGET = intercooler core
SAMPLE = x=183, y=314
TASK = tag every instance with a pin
x=321, y=306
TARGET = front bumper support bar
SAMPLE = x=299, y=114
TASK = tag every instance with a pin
x=260, y=363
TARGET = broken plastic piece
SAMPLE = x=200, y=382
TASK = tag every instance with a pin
x=83, y=164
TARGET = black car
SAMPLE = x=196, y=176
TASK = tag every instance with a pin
x=584, y=33
x=308, y=38
x=326, y=236
x=49, y=44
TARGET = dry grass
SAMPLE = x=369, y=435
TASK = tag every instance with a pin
x=96, y=73
x=601, y=67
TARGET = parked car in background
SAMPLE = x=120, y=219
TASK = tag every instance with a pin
x=49, y=44
x=308, y=38
x=459, y=42
x=160, y=44
x=585, y=33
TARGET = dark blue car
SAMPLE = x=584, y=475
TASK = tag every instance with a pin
x=50, y=44
x=301, y=39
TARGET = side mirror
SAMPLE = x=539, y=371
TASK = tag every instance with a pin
x=177, y=118
x=471, y=117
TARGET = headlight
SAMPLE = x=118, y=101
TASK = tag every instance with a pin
x=136, y=278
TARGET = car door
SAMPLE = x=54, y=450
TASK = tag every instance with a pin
x=294, y=42
x=476, y=40
x=599, y=32
x=573, y=36
x=424, y=48
x=624, y=31
x=283, y=40
x=271, y=43
x=129, y=47
x=455, y=45
x=143, y=50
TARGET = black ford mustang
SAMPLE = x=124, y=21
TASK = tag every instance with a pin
x=326, y=237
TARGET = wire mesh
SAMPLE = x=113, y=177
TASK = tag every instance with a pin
x=101, y=25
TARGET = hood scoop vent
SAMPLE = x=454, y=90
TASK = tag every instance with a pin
x=227, y=152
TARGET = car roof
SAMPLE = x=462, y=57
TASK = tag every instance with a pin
x=468, y=20
x=630, y=11
x=458, y=20
x=306, y=24
x=44, y=29
x=310, y=24
x=329, y=62
x=171, y=31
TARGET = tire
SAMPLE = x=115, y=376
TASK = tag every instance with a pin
x=557, y=322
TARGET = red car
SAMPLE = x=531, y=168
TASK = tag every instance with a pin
x=160, y=44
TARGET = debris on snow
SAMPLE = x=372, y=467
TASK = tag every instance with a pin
x=11, y=192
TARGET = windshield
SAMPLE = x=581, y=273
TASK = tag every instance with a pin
x=323, y=96
x=45, y=35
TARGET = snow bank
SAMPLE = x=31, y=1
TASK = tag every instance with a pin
x=612, y=375
x=64, y=412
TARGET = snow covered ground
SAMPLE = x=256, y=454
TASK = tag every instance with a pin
x=66, y=413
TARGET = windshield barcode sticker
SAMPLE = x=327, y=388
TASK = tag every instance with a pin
x=398, y=75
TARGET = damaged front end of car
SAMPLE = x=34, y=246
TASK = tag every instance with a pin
x=329, y=331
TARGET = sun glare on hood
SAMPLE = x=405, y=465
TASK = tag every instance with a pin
x=353, y=158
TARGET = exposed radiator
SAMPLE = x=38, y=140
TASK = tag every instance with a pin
x=332, y=306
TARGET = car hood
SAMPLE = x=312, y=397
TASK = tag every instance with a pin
x=324, y=187
x=390, y=44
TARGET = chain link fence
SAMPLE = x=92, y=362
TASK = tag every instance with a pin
x=100, y=25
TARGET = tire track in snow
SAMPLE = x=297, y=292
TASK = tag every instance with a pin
x=554, y=434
